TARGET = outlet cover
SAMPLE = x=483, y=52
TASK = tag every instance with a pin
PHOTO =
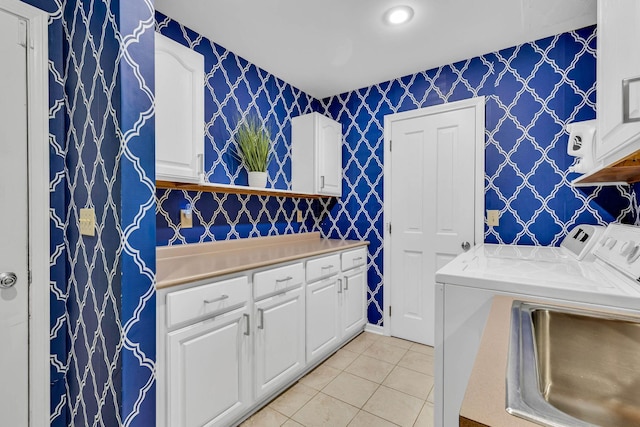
x=87, y=222
x=299, y=217
x=493, y=218
x=186, y=218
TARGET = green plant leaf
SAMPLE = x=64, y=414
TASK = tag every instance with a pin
x=254, y=145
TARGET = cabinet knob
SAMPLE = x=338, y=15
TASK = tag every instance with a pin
x=465, y=246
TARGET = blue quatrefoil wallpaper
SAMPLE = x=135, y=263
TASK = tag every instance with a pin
x=101, y=91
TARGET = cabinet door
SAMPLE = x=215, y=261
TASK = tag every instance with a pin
x=179, y=111
x=279, y=340
x=208, y=368
x=323, y=332
x=329, y=156
x=618, y=29
x=354, y=297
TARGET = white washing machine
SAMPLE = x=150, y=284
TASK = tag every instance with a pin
x=593, y=268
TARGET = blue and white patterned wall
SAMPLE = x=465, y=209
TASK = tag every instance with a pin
x=235, y=88
x=102, y=156
x=102, y=297
x=532, y=91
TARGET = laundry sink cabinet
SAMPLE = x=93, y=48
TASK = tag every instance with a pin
x=229, y=344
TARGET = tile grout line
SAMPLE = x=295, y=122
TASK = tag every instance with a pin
x=369, y=341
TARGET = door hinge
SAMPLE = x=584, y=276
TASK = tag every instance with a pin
x=29, y=276
x=22, y=33
x=389, y=311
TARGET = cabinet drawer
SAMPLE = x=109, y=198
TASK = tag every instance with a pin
x=354, y=258
x=323, y=267
x=277, y=279
x=204, y=300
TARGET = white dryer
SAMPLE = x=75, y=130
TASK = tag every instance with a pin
x=593, y=268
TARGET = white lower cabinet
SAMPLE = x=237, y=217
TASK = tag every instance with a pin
x=323, y=316
x=226, y=346
x=279, y=340
x=208, y=366
x=354, y=301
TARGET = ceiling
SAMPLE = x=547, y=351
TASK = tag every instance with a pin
x=327, y=47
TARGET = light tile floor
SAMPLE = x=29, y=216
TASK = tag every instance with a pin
x=372, y=381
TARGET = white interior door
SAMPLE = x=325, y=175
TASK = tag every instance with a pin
x=14, y=356
x=432, y=211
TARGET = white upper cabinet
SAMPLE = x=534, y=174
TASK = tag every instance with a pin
x=179, y=111
x=316, y=155
x=618, y=60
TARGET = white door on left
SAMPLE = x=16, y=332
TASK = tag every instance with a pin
x=14, y=221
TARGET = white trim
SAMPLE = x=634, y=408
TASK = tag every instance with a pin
x=479, y=105
x=38, y=168
x=374, y=329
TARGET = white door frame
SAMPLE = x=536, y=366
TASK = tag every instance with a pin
x=478, y=104
x=38, y=175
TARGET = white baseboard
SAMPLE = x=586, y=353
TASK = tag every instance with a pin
x=374, y=329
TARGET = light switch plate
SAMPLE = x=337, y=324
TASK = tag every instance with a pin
x=186, y=218
x=87, y=222
x=299, y=217
x=493, y=218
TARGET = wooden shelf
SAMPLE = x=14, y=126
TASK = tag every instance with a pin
x=235, y=189
x=625, y=171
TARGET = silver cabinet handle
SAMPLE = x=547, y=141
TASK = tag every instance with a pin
x=465, y=246
x=357, y=258
x=321, y=181
x=200, y=163
x=346, y=283
x=286, y=279
x=7, y=280
x=339, y=286
x=326, y=267
x=247, y=330
x=220, y=298
x=261, y=317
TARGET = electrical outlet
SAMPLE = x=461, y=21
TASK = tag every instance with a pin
x=299, y=217
x=87, y=222
x=186, y=218
x=493, y=218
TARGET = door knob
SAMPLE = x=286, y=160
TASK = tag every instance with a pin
x=7, y=280
x=466, y=246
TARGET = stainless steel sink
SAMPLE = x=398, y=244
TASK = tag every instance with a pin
x=573, y=367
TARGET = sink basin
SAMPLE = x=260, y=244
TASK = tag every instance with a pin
x=573, y=367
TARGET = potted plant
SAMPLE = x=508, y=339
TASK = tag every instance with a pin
x=254, y=150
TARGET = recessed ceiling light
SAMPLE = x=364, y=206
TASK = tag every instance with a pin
x=398, y=15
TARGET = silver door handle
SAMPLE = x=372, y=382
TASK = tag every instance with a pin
x=220, y=298
x=321, y=181
x=466, y=246
x=247, y=330
x=286, y=279
x=261, y=317
x=326, y=266
x=346, y=283
x=340, y=286
x=8, y=280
